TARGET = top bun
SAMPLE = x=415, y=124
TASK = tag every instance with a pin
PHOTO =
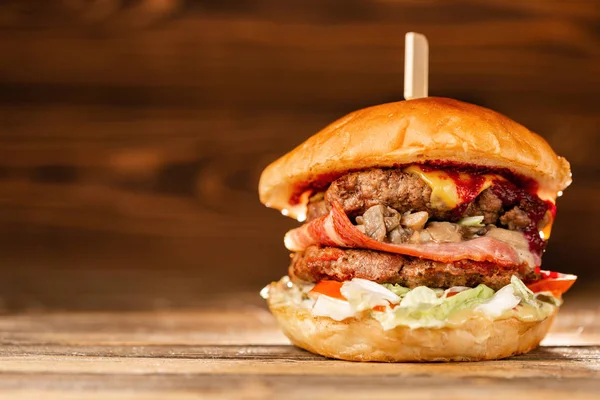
x=413, y=131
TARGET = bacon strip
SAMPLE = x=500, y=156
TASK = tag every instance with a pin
x=336, y=230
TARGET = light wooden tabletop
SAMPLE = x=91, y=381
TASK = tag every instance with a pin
x=236, y=351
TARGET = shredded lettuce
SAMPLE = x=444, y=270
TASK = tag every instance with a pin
x=364, y=295
x=521, y=290
x=398, y=290
x=420, y=298
x=502, y=301
x=455, y=289
x=464, y=300
x=337, y=309
x=548, y=297
x=421, y=307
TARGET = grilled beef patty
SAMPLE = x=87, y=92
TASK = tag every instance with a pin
x=356, y=192
x=331, y=263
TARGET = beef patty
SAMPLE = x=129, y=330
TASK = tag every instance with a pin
x=356, y=192
x=320, y=263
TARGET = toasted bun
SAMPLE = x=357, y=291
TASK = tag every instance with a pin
x=413, y=131
x=365, y=340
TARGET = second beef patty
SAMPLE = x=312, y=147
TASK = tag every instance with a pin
x=320, y=263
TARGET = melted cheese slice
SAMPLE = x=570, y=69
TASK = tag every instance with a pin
x=444, y=194
x=551, y=197
x=546, y=230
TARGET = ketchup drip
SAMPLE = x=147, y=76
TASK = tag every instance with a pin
x=527, y=184
x=315, y=185
x=467, y=186
x=510, y=194
x=467, y=190
x=321, y=182
x=551, y=208
x=536, y=209
x=516, y=190
x=546, y=274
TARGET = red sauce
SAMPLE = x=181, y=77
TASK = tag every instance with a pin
x=536, y=209
x=551, y=208
x=546, y=274
x=527, y=184
x=321, y=182
x=315, y=185
x=468, y=188
x=516, y=190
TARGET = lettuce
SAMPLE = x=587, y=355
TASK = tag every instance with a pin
x=398, y=290
x=522, y=291
x=422, y=308
x=420, y=298
x=504, y=300
x=548, y=297
x=336, y=309
x=364, y=295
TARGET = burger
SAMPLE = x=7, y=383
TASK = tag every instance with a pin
x=423, y=227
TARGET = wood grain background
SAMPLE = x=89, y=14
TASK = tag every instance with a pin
x=133, y=133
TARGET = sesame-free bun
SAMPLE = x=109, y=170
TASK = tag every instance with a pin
x=363, y=339
x=413, y=131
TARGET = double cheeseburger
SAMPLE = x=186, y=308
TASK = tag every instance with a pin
x=424, y=224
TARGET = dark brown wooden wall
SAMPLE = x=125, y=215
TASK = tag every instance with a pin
x=133, y=133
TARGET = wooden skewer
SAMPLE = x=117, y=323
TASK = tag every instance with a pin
x=416, y=66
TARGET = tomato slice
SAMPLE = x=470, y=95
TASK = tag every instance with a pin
x=554, y=282
x=328, y=288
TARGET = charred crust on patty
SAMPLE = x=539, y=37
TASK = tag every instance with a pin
x=331, y=263
x=358, y=191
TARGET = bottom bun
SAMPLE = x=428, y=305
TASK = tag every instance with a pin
x=363, y=339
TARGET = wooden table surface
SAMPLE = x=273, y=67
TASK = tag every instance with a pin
x=236, y=351
x=132, y=137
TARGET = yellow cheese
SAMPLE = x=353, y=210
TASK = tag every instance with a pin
x=546, y=230
x=551, y=197
x=444, y=194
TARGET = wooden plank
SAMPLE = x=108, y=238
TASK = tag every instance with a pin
x=543, y=363
x=572, y=370
x=173, y=215
x=145, y=139
x=298, y=386
x=223, y=59
x=225, y=359
x=239, y=320
x=236, y=351
x=133, y=133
